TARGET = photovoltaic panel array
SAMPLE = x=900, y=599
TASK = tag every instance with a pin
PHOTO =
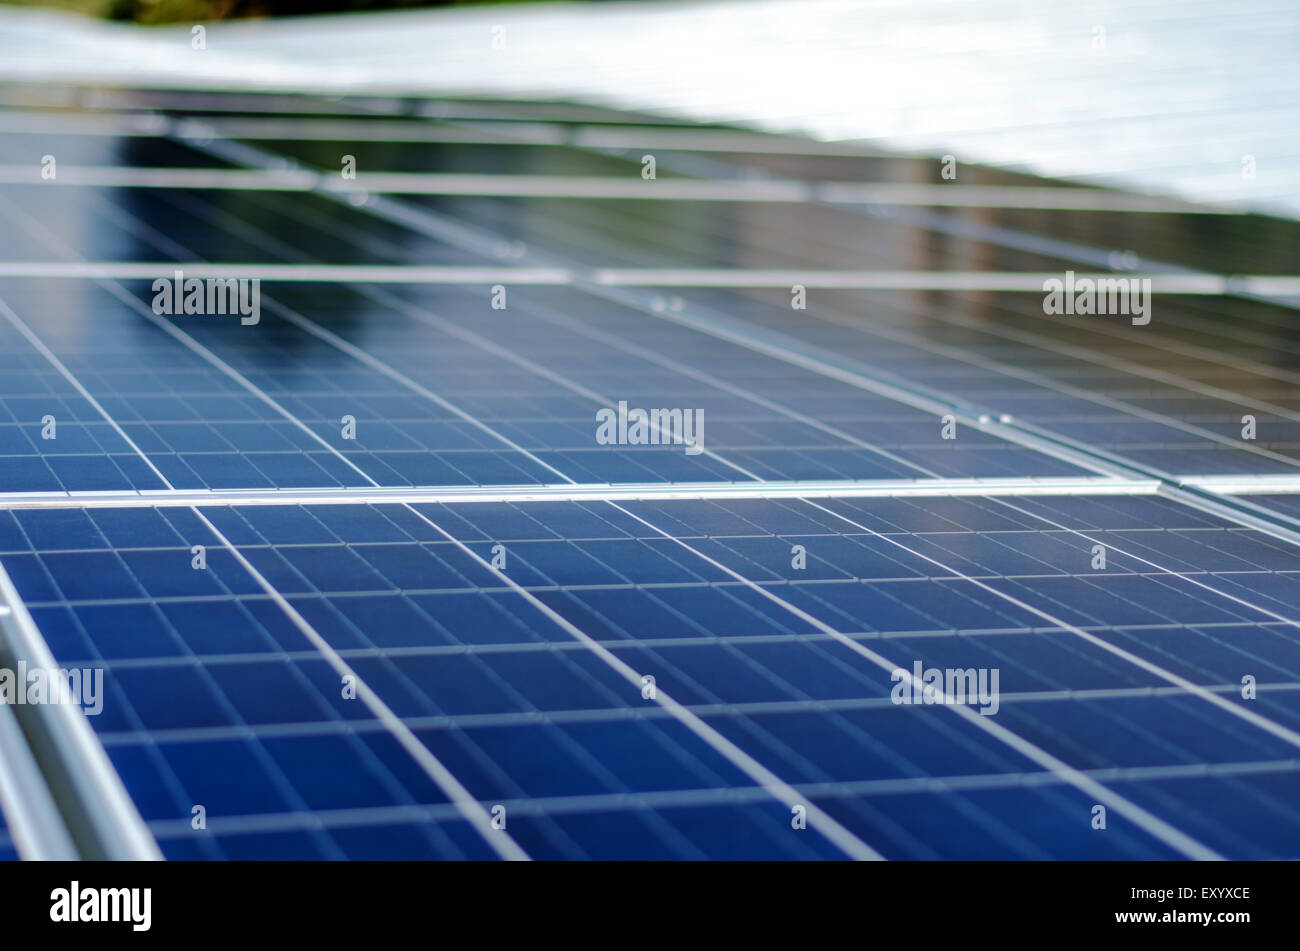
x=363, y=579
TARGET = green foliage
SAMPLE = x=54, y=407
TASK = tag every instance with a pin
x=200, y=11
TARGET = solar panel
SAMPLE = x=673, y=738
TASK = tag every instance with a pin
x=366, y=578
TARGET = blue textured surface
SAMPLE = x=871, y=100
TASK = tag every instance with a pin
x=217, y=697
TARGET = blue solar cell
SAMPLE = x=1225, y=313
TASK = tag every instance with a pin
x=533, y=716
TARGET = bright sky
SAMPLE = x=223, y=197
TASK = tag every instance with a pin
x=1196, y=98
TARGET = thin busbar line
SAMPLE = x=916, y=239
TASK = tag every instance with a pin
x=1210, y=285
x=664, y=586
x=288, y=273
x=606, y=188
x=531, y=647
x=463, y=132
x=552, y=806
x=321, y=728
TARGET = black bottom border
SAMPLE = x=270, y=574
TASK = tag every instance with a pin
x=333, y=901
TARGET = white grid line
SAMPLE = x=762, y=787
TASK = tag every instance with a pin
x=732, y=796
